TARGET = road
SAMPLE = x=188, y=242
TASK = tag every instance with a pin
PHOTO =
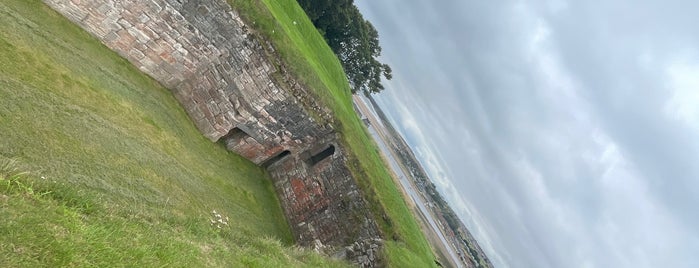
x=409, y=189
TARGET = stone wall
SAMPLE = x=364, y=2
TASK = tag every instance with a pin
x=235, y=91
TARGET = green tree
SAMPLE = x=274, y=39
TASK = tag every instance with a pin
x=353, y=39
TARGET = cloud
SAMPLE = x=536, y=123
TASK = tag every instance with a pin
x=684, y=82
x=564, y=133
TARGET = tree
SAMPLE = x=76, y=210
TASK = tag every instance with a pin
x=354, y=40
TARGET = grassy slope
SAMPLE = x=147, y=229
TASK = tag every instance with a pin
x=304, y=49
x=128, y=178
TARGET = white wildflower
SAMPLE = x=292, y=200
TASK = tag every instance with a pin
x=218, y=220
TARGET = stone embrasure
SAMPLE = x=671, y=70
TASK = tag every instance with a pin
x=220, y=73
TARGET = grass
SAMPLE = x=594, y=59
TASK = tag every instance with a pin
x=303, y=50
x=100, y=166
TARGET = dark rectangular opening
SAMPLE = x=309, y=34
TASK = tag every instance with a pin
x=234, y=137
x=236, y=134
x=275, y=159
x=314, y=159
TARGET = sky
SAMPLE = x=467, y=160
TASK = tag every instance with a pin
x=564, y=133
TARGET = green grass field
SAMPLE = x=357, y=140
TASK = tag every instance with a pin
x=100, y=166
x=304, y=50
x=118, y=174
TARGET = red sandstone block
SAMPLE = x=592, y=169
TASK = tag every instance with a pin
x=125, y=38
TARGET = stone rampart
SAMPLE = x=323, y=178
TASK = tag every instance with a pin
x=236, y=92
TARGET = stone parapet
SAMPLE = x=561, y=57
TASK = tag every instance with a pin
x=236, y=93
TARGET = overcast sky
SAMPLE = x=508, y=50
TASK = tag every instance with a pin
x=565, y=133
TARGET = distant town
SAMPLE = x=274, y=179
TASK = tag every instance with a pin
x=454, y=244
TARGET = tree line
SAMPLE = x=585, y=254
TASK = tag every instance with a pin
x=354, y=40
